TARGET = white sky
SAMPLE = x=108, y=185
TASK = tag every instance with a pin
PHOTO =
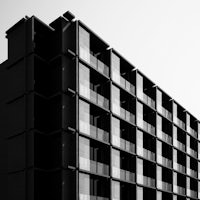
x=160, y=37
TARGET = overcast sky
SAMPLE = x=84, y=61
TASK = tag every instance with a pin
x=160, y=37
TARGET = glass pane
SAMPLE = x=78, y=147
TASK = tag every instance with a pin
x=115, y=68
x=159, y=195
x=84, y=186
x=139, y=114
x=139, y=193
x=140, y=171
x=140, y=86
x=139, y=142
x=175, y=113
x=175, y=182
x=84, y=153
x=115, y=100
x=188, y=122
x=84, y=44
x=159, y=152
x=159, y=177
x=159, y=101
x=115, y=132
x=159, y=126
x=84, y=81
x=115, y=190
x=115, y=163
x=84, y=117
x=199, y=131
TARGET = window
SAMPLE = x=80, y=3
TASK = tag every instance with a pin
x=115, y=100
x=115, y=132
x=175, y=120
x=115, y=163
x=84, y=186
x=159, y=177
x=115, y=68
x=84, y=117
x=159, y=101
x=84, y=44
x=139, y=171
x=115, y=190
x=84, y=153
x=159, y=126
x=84, y=81
x=159, y=195
x=139, y=193
x=139, y=142
x=139, y=114
x=140, y=86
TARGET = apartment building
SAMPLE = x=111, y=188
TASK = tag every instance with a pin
x=80, y=122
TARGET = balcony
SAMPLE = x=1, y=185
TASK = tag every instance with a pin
x=178, y=189
x=192, y=172
x=149, y=128
x=149, y=101
x=165, y=137
x=165, y=185
x=178, y=144
x=146, y=153
x=123, y=144
x=145, y=180
x=191, y=193
x=180, y=123
x=93, y=166
x=123, y=174
x=179, y=167
x=193, y=132
x=94, y=131
x=99, y=65
x=164, y=161
x=99, y=133
x=91, y=197
x=191, y=152
x=126, y=115
x=99, y=99
x=166, y=113
x=127, y=85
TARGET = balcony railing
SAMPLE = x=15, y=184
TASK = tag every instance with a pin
x=179, y=167
x=149, y=128
x=145, y=180
x=192, y=172
x=165, y=137
x=193, y=132
x=93, y=166
x=99, y=99
x=91, y=197
x=149, y=101
x=128, y=116
x=164, y=161
x=123, y=144
x=94, y=131
x=178, y=144
x=166, y=113
x=146, y=153
x=178, y=189
x=94, y=96
x=164, y=185
x=191, y=152
x=99, y=134
x=99, y=65
x=179, y=122
x=191, y=193
x=123, y=174
x=127, y=85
